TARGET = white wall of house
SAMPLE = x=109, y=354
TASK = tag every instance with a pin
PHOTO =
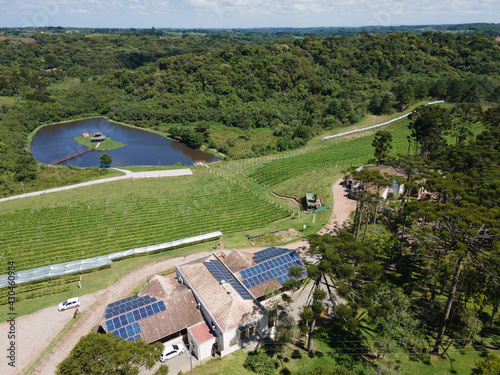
x=229, y=337
x=202, y=351
x=205, y=349
x=227, y=341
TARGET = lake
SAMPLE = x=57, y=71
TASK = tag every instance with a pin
x=57, y=141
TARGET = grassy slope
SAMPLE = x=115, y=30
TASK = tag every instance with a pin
x=315, y=179
x=8, y=100
x=116, y=216
x=459, y=361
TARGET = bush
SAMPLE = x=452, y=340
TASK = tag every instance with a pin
x=223, y=148
x=489, y=365
x=162, y=370
x=260, y=362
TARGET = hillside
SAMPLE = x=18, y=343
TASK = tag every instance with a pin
x=246, y=100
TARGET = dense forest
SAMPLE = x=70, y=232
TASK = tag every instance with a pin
x=196, y=85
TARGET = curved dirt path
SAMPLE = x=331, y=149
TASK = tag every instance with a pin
x=93, y=307
x=36, y=331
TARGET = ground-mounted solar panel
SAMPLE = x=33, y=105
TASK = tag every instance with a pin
x=221, y=273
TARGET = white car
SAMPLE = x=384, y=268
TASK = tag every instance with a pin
x=171, y=351
x=69, y=304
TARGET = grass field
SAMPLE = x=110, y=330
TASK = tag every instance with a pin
x=351, y=355
x=354, y=149
x=97, y=220
x=8, y=100
x=236, y=199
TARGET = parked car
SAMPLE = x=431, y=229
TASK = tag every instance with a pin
x=69, y=304
x=171, y=351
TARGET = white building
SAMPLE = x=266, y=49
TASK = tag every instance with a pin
x=213, y=302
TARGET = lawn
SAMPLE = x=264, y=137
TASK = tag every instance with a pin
x=106, y=145
x=92, y=281
x=107, y=218
x=8, y=100
x=332, y=349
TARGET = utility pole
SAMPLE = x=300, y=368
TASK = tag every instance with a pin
x=191, y=357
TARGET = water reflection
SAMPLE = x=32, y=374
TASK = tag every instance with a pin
x=57, y=141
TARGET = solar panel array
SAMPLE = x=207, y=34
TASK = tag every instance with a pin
x=126, y=323
x=276, y=268
x=221, y=273
x=127, y=304
x=266, y=254
x=130, y=332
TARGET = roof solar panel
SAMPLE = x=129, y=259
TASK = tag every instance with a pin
x=127, y=304
x=129, y=331
x=272, y=268
x=109, y=325
x=221, y=273
x=266, y=254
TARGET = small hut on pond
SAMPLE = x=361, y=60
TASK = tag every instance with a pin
x=98, y=137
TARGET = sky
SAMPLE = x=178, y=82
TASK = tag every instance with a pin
x=243, y=13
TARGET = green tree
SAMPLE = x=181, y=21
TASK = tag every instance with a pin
x=395, y=320
x=460, y=233
x=465, y=115
x=311, y=313
x=405, y=94
x=353, y=266
x=286, y=330
x=258, y=361
x=489, y=365
x=382, y=144
x=99, y=353
x=428, y=125
x=105, y=159
x=162, y=370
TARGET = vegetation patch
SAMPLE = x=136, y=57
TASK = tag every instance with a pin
x=280, y=236
x=112, y=217
x=106, y=145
